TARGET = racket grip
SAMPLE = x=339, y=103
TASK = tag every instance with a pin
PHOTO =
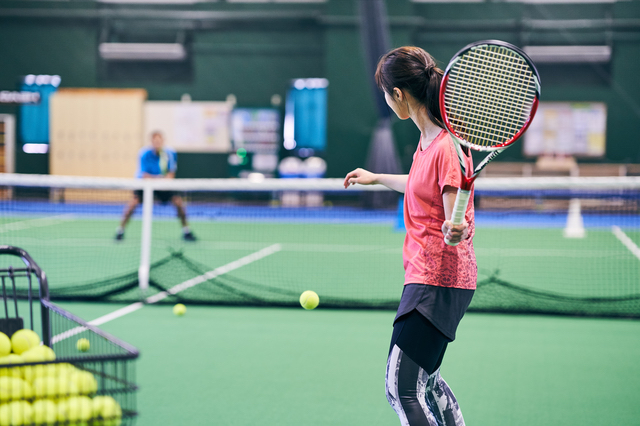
x=459, y=209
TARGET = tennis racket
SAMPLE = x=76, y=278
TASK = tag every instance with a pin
x=488, y=97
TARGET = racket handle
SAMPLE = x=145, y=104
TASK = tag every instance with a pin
x=459, y=209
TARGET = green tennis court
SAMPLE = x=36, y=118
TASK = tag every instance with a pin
x=271, y=366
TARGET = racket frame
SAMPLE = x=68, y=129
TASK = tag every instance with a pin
x=469, y=176
x=445, y=80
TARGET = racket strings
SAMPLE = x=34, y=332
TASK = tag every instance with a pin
x=521, y=86
x=495, y=107
x=489, y=95
x=510, y=74
x=492, y=114
x=517, y=71
x=465, y=78
x=487, y=130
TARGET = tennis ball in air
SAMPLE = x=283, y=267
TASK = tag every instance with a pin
x=23, y=340
x=106, y=411
x=5, y=345
x=309, y=299
x=179, y=309
x=83, y=345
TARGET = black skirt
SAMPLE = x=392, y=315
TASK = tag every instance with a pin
x=444, y=307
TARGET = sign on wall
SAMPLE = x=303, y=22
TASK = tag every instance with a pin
x=567, y=128
x=190, y=126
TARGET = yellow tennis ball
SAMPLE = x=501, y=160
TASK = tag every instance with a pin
x=23, y=340
x=45, y=412
x=106, y=411
x=5, y=361
x=12, y=389
x=179, y=309
x=84, y=381
x=309, y=299
x=16, y=413
x=75, y=409
x=54, y=387
x=32, y=372
x=83, y=345
x=5, y=345
x=39, y=353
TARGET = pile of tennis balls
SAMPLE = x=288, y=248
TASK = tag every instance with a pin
x=48, y=394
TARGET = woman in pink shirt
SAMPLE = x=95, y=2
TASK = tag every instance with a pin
x=439, y=279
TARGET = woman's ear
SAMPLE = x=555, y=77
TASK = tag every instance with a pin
x=398, y=95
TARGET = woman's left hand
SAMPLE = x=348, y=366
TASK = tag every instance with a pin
x=455, y=233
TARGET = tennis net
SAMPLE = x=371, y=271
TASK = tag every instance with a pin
x=543, y=245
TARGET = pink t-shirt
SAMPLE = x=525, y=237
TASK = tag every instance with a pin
x=427, y=258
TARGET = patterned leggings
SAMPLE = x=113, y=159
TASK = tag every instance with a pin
x=415, y=389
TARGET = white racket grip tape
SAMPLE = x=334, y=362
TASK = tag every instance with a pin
x=459, y=209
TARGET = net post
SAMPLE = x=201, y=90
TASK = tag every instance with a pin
x=575, y=224
x=145, y=245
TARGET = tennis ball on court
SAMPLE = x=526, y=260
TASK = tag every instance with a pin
x=13, y=388
x=309, y=299
x=179, y=309
x=16, y=413
x=45, y=412
x=5, y=345
x=5, y=361
x=23, y=340
x=83, y=345
x=106, y=411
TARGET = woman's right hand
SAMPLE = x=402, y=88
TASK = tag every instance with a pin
x=361, y=176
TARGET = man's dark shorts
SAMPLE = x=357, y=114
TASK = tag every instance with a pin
x=162, y=196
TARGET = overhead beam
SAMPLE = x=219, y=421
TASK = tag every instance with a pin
x=317, y=18
x=569, y=54
x=156, y=14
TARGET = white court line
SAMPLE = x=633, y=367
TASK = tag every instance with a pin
x=624, y=239
x=35, y=223
x=236, y=264
x=101, y=320
x=513, y=252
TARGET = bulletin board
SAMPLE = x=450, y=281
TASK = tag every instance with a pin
x=575, y=129
x=190, y=126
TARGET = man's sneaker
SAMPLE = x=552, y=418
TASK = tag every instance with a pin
x=188, y=236
x=119, y=236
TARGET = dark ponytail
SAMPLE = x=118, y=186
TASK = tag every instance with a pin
x=414, y=70
x=432, y=95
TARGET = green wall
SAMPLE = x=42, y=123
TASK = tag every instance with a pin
x=254, y=59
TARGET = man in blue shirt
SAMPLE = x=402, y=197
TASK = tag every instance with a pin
x=157, y=162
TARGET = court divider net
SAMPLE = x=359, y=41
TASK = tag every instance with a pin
x=543, y=245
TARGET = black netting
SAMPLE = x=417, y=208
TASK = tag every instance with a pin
x=556, y=251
